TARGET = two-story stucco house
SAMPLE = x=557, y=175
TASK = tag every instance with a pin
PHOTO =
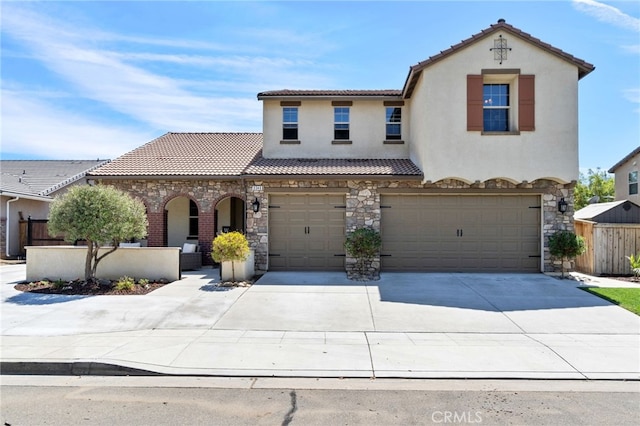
x=466, y=168
x=626, y=177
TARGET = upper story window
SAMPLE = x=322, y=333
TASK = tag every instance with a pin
x=495, y=108
x=501, y=101
x=290, y=123
x=633, y=182
x=394, y=123
x=341, y=123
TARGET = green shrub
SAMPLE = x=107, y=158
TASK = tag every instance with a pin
x=143, y=281
x=58, y=284
x=566, y=245
x=125, y=283
x=230, y=247
x=363, y=244
x=634, y=262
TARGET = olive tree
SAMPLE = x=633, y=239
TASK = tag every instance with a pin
x=100, y=215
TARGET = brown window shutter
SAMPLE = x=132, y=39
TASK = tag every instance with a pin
x=526, y=103
x=474, y=103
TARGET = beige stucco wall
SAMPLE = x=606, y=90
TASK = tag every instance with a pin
x=622, y=179
x=178, y=221
x=33, y=208
x=67, y=263
x=367, y=131
x=443, y=148
x=224, y=214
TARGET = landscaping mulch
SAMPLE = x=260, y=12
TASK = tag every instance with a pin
x=84, y=288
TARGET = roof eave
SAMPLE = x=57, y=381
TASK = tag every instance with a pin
x=624, y=160
x=584, y=67
x=332, y=176
x=165, y=177
x=14, y=194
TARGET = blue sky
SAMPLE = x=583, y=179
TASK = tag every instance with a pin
x=83, y=80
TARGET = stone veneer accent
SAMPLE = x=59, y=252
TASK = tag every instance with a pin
x=362, y=201
x=363, y=208
x=155, y=194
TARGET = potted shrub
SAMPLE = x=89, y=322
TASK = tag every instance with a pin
x=363, y=244
x=566, y=245
x=230, y=247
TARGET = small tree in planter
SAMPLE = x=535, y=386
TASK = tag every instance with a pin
x=566, y=245
x=230, y=247
x=98, y=214
x=363, y=244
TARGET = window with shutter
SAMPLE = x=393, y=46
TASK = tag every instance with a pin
x=500, y=102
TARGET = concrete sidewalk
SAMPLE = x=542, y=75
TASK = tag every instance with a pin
x=323, y=325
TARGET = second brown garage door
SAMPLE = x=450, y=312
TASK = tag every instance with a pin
x=484, y=233
x=306, y=232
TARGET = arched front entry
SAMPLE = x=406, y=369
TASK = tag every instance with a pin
x=230, y=215
x=181, y=222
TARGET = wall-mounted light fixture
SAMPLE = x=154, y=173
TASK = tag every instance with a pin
x=256, y=205
x=562, y=206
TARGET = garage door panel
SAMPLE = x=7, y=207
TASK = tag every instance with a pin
x=461, y=233
x=306, y=231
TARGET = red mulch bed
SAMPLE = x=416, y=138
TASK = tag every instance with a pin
x=84, y=288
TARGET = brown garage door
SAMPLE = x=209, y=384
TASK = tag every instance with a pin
x=306, y=232
x=487, y=233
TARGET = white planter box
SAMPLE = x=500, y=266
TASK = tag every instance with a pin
x=67, y=263
x=245, y=270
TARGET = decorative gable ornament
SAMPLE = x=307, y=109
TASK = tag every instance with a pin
x=500, y=49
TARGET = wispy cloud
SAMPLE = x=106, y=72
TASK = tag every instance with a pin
x=633, y=96
x=607, y=13
x=217, y=92
x=42, y=129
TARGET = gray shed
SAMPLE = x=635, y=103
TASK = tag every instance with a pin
x=611, y=232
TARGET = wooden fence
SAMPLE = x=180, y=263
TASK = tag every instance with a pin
x=35, y=232
x=608, y=245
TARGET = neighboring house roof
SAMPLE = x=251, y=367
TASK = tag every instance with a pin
x=584, y=68
x=329, y=93
x=592, y=211
x=625, y=159
x=327, y=167
x=40, y=178
x=188, y=154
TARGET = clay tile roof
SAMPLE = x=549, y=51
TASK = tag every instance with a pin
x=584, y=67
x=331, y=93
x=323, y=167
x=188, y=154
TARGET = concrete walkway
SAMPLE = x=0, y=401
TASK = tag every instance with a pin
x=323, y=325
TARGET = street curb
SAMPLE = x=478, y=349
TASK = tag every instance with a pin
x=71, y=369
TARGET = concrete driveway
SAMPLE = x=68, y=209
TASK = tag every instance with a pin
x=321, y=324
